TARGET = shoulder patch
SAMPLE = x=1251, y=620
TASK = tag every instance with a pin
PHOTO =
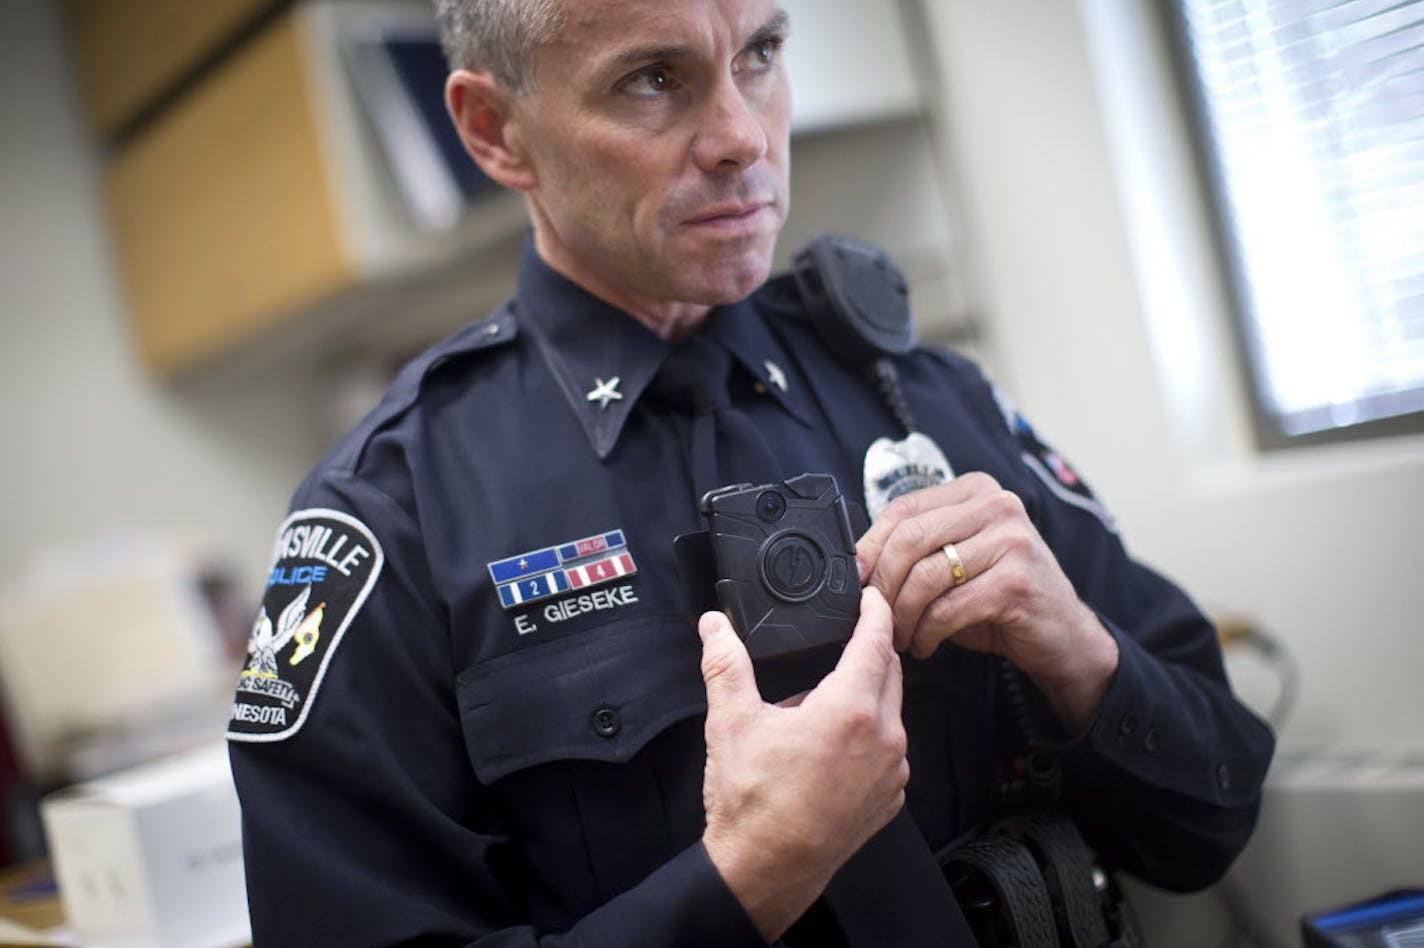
x=324, y=565
x=1050, y=466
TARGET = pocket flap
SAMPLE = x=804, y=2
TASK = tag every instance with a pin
x=597, y=695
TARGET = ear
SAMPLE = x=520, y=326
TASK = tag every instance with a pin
x=480, y=108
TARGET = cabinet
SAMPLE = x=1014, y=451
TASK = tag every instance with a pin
x=257, y=199
x=222, y=212
x=128, y=54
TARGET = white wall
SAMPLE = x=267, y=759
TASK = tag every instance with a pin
x=1321, y=546
x=1092, y=272
x=91, y=444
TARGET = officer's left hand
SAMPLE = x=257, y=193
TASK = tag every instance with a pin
x=1016, y=601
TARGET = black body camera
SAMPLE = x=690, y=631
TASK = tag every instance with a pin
x=780, y=562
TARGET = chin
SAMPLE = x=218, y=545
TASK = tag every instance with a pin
x=731, y=280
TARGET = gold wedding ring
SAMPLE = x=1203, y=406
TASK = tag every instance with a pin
x=956, y=565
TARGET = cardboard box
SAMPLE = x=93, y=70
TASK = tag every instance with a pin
x=152, y=856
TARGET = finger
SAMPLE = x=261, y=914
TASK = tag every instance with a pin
x=872, y=543
x=892, y=697
x=957, y=490
x=867, y=655
x=967, y=615
x=923, y=521
x=726, y=667
x=931, y=577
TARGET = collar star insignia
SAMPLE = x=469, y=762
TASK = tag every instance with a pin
x=605, y=392
x=775, y=375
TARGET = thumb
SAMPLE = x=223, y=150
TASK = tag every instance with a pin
x=726, y=667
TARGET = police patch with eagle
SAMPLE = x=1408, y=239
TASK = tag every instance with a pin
x=323, y=567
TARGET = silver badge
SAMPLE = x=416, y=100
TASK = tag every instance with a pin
x=893, y=468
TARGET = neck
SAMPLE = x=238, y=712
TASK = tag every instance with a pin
x=670, y=320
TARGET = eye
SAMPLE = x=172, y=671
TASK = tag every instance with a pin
x=759, y=56
x=649, y=83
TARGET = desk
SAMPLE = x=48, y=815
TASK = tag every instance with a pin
x=29, y=899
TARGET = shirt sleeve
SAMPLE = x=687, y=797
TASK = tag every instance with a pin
x=1166, y=781
x=366, y=824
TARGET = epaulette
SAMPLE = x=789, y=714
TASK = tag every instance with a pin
x=495, y=331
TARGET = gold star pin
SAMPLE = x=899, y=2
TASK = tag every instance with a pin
x=605, y=392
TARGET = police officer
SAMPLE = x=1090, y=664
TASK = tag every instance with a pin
x=474, y=711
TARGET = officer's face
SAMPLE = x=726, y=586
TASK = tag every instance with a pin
x=658, y=141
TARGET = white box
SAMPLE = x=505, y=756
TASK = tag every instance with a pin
x=152, y=856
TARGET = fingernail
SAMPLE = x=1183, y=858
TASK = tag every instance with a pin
x=706, y=625
x=862, y=569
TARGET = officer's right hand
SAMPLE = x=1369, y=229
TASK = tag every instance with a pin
x=793, y=790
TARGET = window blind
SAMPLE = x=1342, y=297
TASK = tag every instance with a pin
x=1313, y=118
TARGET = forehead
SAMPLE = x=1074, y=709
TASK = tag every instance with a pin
x=601, y=34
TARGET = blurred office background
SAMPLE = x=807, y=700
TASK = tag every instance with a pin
x=218, y=238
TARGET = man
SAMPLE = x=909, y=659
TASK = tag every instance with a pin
x=474, y=710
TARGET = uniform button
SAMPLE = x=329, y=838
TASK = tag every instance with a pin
x=606, y=722
x=1149, y=740
x=1223, y=776
x=1127, y=723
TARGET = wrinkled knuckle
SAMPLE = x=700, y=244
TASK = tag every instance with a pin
x=1020, y=540
x=903, y=510
x=715, y=664
x=897, y=744
x=1005, y=503
x=860, y=718
x=1015, y=613
x=940, y=611
x=903, y=507
x=1018, y=583
x=914, y=532
x=926, y=574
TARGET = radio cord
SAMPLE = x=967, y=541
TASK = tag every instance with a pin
x=885, y=379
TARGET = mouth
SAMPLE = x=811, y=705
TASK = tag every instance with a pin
x=732, y=217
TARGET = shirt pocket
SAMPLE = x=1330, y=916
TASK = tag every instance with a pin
x=593, y=746
x=600, y=695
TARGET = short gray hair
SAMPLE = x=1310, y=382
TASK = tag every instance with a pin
x=498, y=36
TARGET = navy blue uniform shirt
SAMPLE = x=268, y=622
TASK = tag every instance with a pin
x=473, y=709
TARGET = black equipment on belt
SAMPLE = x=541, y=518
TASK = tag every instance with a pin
x=1030, y=880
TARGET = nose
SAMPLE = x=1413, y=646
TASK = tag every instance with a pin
x=731, y=135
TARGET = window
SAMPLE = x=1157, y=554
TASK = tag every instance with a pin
x=1310, y=116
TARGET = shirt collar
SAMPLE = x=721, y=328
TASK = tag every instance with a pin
x=595, y=350
x=742, y=330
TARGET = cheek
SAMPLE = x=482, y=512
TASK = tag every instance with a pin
x=617, y=172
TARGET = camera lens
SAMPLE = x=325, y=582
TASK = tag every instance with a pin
x=771, y=506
